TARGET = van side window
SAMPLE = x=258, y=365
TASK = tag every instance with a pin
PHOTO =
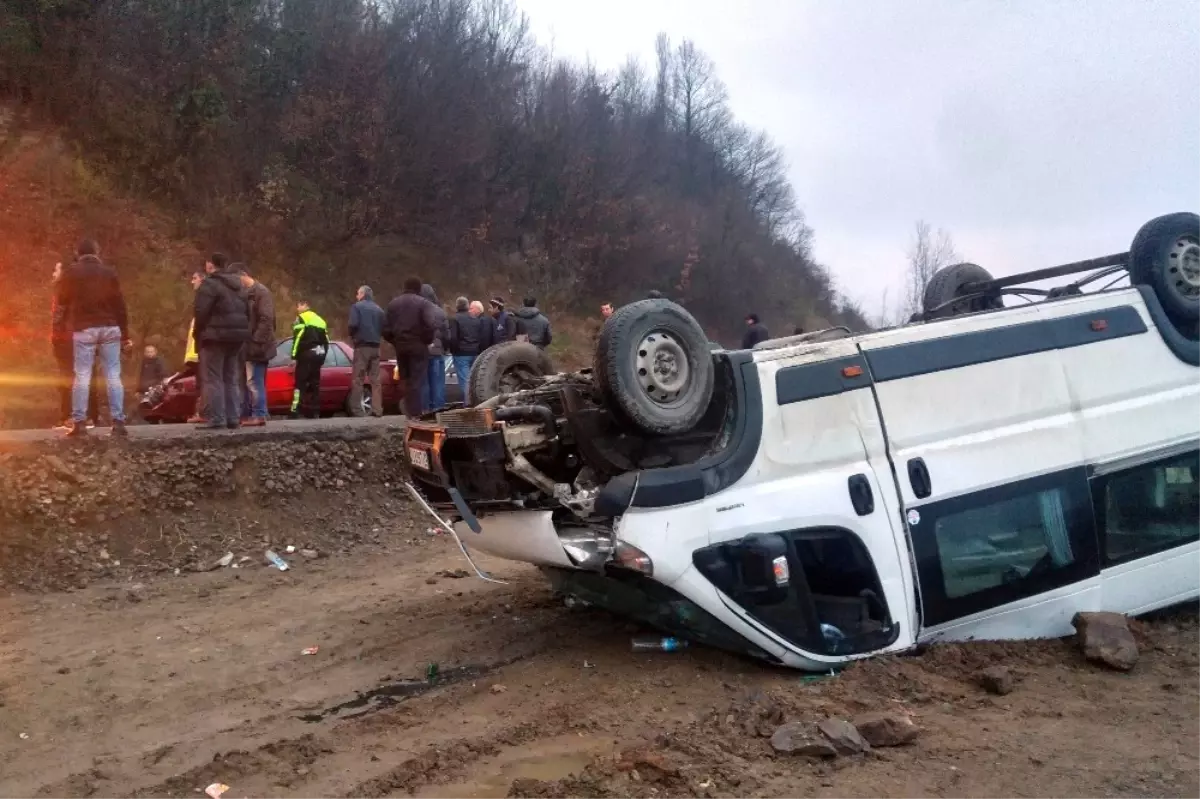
x=992, y=547
x=1148, y=508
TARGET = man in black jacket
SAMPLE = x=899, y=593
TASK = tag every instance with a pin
x=756, y=331
x=260, y=349
x=468, y=337
x=366, y=334
x=533, y=324
x=504, y=326
x=222, y=328
x=410, y=326
x=89, y=297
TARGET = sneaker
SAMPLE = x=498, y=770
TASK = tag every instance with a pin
x=196, y=418
x=91, y=424
x=254, y=421
x=63, y=426
x=77, y=430
x=119, y=431
x=208, y=425
x=233, y=425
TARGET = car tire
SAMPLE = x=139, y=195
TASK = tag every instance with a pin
x=1165, y=255
x=947, y=284
x=654, y=365
x=505, y=368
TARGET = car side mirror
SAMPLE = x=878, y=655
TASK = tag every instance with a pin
x=763, y=565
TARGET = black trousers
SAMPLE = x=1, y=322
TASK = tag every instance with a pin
x=307, y=397
x=222, y=381
x=414, y=371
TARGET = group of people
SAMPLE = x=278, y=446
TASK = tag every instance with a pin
x=232, y=339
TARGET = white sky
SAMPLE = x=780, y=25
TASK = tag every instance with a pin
x=1036, y=131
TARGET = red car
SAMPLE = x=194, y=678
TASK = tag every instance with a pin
x=177, y=401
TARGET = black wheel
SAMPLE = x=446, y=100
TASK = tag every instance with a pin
x=1165, y=255
x=947, y=285
x=653, y=362
x=505, y=368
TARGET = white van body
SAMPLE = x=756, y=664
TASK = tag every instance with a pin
x=1000, y=472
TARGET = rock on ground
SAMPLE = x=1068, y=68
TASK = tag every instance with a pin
x=1106, y=638
x=886, y=729
x=996, y=680
x=801, y=738
x=844, y=737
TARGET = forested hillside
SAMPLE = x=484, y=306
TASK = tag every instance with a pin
x=331, y=142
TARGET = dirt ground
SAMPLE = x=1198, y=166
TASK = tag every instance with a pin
x=159, y=684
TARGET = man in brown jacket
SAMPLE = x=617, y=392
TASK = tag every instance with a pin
x=259, y=350
x=411, y=326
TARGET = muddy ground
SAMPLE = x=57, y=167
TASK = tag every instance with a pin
x=132, y=679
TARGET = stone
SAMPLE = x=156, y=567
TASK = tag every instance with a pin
x=498, y=688
x=996, y=680
x=1105, y=638
x=799, y=738
x=887, y=729
x=311, y=554
x=843, y=736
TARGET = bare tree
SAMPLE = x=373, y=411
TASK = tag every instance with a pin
x=928, y=252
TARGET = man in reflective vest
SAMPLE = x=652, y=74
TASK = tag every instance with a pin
x=310, y=342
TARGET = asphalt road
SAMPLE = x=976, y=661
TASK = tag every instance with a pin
x=285, y=428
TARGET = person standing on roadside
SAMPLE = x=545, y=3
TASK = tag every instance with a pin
x=222, y=328
x=191, y=358
x=259, y=350
x=504, y=326
x=467, y=334
x=64, y=357
x=756, y=332
x=310, y=342
x=89, y=295
x=410, y=326
x=435, y=381
x=366, y=334
x=533, y=324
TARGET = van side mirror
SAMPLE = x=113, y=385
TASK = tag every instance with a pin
x=763, y=565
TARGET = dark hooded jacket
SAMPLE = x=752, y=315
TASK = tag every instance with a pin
x=261, y=347
x=222, y=312
x=410, y=325
x=503, y=328
x=754, y=334
x=441, y=334
x=89, y=295
x=533, y=323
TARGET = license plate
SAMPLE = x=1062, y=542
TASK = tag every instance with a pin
x=419, y=458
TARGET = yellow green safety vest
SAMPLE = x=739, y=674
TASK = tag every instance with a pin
x=190, y=355
x=306, y=320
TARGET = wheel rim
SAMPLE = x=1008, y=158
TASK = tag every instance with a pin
x=662, y=367
x=1183, y=267
x=366, y=402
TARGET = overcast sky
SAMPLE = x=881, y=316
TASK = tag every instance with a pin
x=1035, y=132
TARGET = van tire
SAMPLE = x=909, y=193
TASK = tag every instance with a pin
x=505, y=368
x=638, y=337
x=1165, y=255
x=947, y=284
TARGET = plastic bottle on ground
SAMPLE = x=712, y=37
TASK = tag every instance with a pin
x=655, y=643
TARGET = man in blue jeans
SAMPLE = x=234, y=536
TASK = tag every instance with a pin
x=93, y=307
x=259, y=350
x=468, y=334
x=434, y=395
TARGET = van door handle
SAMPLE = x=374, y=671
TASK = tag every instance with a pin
x=918, y=478
x=861, y=496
